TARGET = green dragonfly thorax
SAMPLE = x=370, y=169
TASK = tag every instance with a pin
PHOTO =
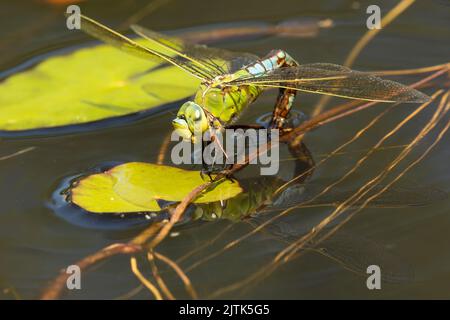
x=226, y=103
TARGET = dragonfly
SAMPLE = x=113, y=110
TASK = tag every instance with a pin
x=231, y=81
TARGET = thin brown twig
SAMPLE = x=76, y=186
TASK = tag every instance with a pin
x=150, y=286
x=370, y=34
x=362, y=43
x=177, y=214
x=187, y=282
x=151, y=7
x=18, y=153
x=411, y=71
x=159, y=280
x=163, y=149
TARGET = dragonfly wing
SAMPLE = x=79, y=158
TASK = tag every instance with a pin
x=111, y=37
x=353, y=252
x=356, y=253
x=335, y=80
x=398, y=197
x=213, y=61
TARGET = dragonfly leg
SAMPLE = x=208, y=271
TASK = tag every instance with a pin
x=206, y=171
x=286, y=96
x=213, y=168
x=282, y=107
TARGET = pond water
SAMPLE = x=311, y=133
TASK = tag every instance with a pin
x=37, y=240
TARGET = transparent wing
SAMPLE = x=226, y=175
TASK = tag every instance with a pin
x=212, y=60
x=109, y=36
x=398, y=197
x=355, y=253
x=335, y=80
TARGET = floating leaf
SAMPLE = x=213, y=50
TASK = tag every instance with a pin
x=137, y=187
x=87, y=85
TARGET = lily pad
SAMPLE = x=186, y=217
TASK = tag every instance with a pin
x=138, y=187
x=87, y=85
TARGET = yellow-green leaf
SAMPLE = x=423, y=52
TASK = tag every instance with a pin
x=88, y=85
x=136, y=187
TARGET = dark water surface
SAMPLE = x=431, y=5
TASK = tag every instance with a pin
x=35, y=242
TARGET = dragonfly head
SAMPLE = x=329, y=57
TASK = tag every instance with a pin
x=191, y=120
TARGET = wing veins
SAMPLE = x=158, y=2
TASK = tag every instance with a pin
x=145, y=33
x=335, y=80
x=109, y=36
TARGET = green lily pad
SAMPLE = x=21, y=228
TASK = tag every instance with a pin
x=136, y=187
x=87, y=85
